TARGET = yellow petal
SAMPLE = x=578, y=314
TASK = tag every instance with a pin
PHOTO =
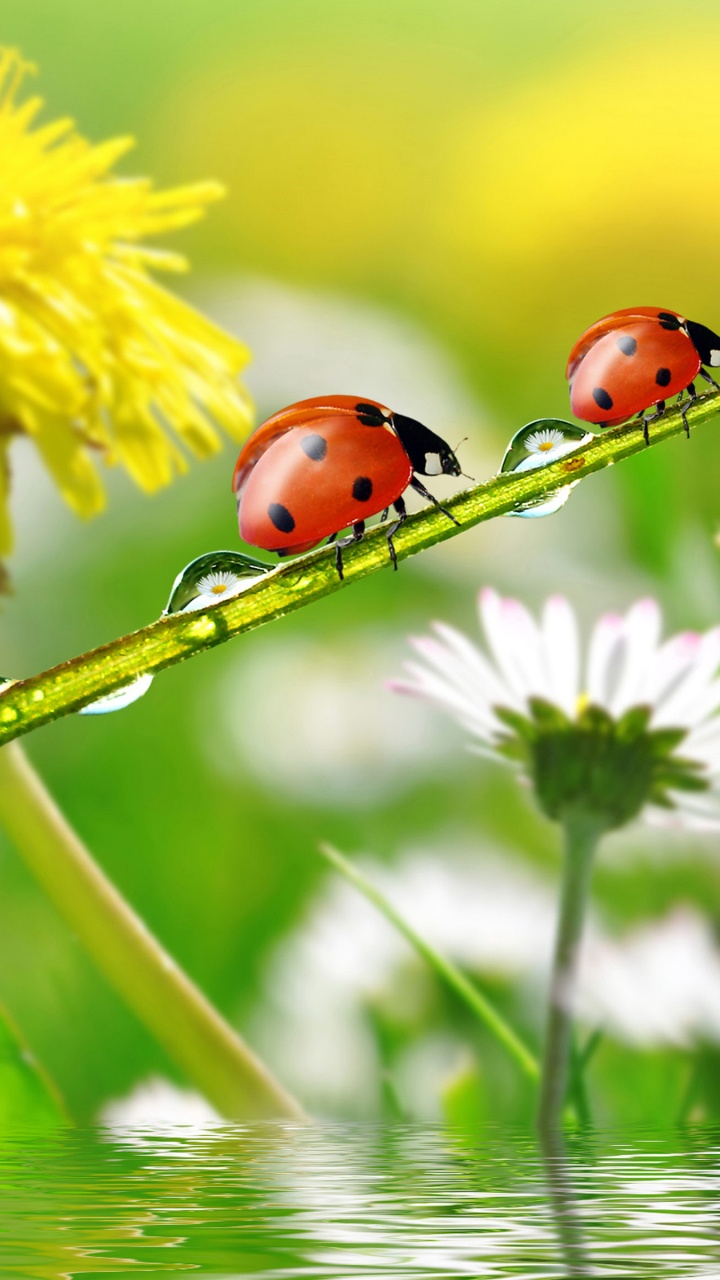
x=69, y=465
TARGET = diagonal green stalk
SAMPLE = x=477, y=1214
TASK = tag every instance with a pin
x=479, y=1005
x=30, y=703
x=191, y=1030
x=582, y=831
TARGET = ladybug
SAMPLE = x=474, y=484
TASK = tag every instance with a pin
x=328, y=463
x=635, y=359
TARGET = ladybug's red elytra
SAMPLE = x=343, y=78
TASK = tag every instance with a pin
x=633, y=360
x=327, y=464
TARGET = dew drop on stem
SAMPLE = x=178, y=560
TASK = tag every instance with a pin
x=539, y=444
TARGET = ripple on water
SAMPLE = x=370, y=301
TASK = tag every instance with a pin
x=345, y=1200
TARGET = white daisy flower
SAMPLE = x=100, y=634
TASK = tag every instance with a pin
x=653, y=703
x=543, y=447
x=548, y=442
x=545, y=441
x=214, y=587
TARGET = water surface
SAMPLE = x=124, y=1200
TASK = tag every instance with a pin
x=346, y=1200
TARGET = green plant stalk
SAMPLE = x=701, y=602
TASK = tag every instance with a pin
x=214, y=1058
x=582, y=832
x=27, y=704
x=478, y=1004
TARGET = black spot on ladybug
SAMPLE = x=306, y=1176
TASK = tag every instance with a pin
x=662, y=377
x=362, y=489
x=602, y=399
x=627, y=345
x=668, y=321
x=370, y=415
x=314, y=446
x=281, y=517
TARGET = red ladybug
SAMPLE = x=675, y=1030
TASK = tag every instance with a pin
x=634, y=359
x=325, y=464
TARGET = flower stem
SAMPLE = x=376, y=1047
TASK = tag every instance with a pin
x=479, y=1005
x=582, y=832
x=27, y=704
x=190, y=1029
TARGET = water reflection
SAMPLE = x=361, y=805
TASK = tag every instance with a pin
x=539, y=444
x=343, y=1201
x=564, y=1206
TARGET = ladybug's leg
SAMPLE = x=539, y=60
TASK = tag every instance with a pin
x=692, y=394
x=659, y=411
x=402, y=517
x=419, y=487
x=358, y=530
x=709, y=378
x=644, y=421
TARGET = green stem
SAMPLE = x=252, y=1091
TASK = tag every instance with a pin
x=582, y=832
x=478, y=1004
x=30, y=703
x=192, y=1032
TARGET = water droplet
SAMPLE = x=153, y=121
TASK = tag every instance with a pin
x=538, y=444
x=213, y=577
x=119, y=698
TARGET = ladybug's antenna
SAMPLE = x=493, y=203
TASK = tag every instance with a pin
x=464, y=473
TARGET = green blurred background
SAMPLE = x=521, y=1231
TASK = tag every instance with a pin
x=426, y=204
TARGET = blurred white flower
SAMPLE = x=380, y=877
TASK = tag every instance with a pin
x=312, y=718
x=495, y=916
x=660, y=985
x=657, y=985
x=157, y=1104
x=626, y=667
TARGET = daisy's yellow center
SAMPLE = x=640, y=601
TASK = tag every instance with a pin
x=545, y=446
x=582, y=703
x=219, y=588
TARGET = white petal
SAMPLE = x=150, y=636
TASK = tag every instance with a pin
x=641, y=629
x=561, y=643
x=669, y=663
x=695, y=811
x=606, y=648
x=706, y=735
x=477, y=686
x=514, y=639
x=488, y=678
x=683, y=705
x=431, y=686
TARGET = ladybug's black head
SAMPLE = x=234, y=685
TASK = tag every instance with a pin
x=429, y=454
x=705, y=342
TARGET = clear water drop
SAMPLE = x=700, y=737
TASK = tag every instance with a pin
x=207, y=580
x=538, y=444
x=213, y=577
x=119, y=698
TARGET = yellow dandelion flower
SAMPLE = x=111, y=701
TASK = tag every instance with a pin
x=96, y=359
